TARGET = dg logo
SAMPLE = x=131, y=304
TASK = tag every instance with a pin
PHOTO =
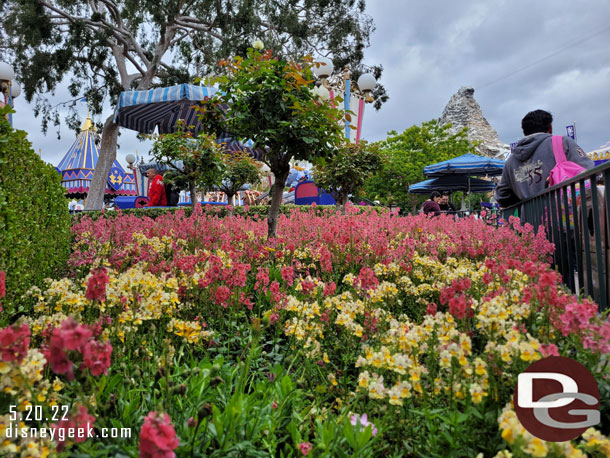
x=556, y=399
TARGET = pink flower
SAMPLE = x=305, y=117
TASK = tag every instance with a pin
x=14, y=343
x=222, y=295
x=287, y=275
x=364, y=422
x=2, y=284
x=78, y=427
x=549, y=350
x=96, y=285
x=158, y=437
x=305, y=447
x=74, y=335
x=431, y=310
x=96, y=357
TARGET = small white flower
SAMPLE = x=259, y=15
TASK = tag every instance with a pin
x=258, y=44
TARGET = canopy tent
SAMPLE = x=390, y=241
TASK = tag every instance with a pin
x=452, y=183
x=77, y=166
x=601, y=154
x=161, y=108
x=468, y=165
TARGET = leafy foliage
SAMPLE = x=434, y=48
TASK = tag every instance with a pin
x=240, y=169
x=271, y=101
x=346, y=172
x=32, y=207
x=197, y=161
x=407, y=154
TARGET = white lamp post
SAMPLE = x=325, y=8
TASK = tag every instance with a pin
x=323, y=70
x=131, y=159
x=9, y=89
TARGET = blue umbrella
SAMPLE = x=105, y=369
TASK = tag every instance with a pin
x=452, y=183
x=468, y=165
x=161, y=108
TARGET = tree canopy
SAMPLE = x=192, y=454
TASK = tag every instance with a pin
x=405, y=156
x=271, y=100
x=345, y=172
x=104, y=47
x=197, y=161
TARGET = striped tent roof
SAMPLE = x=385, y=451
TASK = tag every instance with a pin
x=452, y=183
x=77, y=166
x=466, y=164
x=161, y=108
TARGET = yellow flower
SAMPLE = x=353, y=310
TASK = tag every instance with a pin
x=536, y=448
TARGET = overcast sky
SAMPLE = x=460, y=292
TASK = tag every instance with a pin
x=518, y=55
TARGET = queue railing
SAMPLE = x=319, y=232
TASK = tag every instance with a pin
x=574, y=215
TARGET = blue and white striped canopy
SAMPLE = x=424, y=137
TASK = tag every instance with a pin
x=161, y=108
x=467, y=164
x=452, y=183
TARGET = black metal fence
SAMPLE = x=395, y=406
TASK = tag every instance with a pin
x=575, y=216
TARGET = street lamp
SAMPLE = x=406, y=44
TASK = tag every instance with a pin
x=359, y=93
x=10, y=89
x=131, y=159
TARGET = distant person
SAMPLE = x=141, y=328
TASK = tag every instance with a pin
x=527, y=169
x=156, y=190
x=444, y=204
x=172, y=195
x=431, y=205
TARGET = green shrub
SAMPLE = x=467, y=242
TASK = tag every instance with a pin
x=34, y=218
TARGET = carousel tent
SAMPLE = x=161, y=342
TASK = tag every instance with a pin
x=601, y=154
x=77, y=166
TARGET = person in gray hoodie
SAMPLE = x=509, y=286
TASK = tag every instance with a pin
x=526, y=170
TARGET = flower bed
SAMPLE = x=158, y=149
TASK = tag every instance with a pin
x=362, y=334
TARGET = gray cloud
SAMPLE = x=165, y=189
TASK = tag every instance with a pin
x=430, y=49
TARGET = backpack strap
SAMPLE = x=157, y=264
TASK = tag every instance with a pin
x=558, y=152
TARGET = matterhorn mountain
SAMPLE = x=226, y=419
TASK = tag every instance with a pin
x=464, y=111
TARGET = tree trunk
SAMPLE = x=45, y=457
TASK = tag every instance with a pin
x=277, y=192
x=193, y=194
x=97, y=189
x=341, y=202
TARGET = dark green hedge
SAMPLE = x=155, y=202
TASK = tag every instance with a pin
x=34, y=218
x=252, y=211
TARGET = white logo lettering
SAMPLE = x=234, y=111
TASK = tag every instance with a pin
x=526, y=391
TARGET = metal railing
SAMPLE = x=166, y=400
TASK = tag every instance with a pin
x=575, y=216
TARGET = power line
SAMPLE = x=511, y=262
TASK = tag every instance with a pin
x=542, y=59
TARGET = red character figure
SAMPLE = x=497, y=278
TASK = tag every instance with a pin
x=156, y=189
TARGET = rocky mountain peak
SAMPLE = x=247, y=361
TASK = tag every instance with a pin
x=464, y=111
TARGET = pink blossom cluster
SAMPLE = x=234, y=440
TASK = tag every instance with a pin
x=158, y=437
x=72, y=338
x=78, y=427
x=14, y=342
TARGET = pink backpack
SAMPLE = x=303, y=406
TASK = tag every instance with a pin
x=564, y=169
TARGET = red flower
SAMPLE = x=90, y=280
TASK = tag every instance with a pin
x=96, y=357
x=2, y=284
x=158, y=437
x=14, y=343
x=74, y=335
x=305, y=448
x=96, y=285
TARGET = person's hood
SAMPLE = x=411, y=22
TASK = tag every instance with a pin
x=527, y=145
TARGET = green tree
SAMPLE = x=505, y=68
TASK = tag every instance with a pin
x=195, y=161
x=240, y=169
x=107, y=46
x=271, y=101
x=346, y=172
x=406, y=155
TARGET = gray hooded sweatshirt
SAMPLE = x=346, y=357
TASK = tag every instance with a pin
x=526, y=170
